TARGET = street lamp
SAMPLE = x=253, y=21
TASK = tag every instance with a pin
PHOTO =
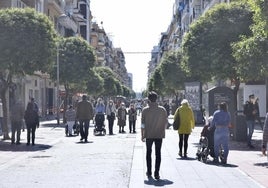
x=62, y=20
x=58, y=86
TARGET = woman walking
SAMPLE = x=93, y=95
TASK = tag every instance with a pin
x=221, y=120
x=110, y=112
x=187, y=123
x=32, y=122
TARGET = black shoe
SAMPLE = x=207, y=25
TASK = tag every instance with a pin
x=86, y=141
x=28, y=144
x=81, y=139
x=120, y=131
x=123, y=131
x=185, y=155
x=33, y=144
x=134, y=131
x=251, y=146
x=12, y=142
x=216, y=160
x=180, y=153
x=18, y=143
x=156, y=176
x=224, y=162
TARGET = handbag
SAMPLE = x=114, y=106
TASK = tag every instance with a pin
x=176, y=123
x=113, y=115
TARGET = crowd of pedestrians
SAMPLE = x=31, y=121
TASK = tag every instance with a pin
x=154, y=122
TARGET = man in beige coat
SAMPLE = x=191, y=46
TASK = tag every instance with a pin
x=84, y=114
x=153, y=125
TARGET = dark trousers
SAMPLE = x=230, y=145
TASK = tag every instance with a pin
x=84, y=125
x=110, y=124
x=132, y=124
x=183, y=141
x=31, y=130
x=15, y=128
x=158, y=145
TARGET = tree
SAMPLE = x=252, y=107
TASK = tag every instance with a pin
x=207, y=46
x=95, y=84
x=251, y=52
x=156, y=82
x=172, y=72
x=110, y=81
x=76, y=61
x=27, y=44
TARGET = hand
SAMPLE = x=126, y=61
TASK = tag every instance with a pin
x=143, y=139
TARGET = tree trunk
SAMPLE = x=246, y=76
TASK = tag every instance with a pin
x=236, y=88
x=5, y=126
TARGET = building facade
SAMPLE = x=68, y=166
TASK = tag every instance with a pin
x=70, y=18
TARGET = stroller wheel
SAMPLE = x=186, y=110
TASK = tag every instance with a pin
x=198, y=156
x=205, y=155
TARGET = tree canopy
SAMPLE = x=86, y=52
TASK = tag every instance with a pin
x=27, y=44
x=27, y=41
x=251, y=52
x=207, y=46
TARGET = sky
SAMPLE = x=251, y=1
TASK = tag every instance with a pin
x=134, y=26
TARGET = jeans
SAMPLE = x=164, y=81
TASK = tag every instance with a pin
x=110, y=124
x=132, y=126
x=15, y=128
x=84, y=125
x=158, y=145
x=250, y=130
x=221, y=137
x=31, y=130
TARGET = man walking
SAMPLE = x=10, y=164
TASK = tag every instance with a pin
x=153, y=125
x=16, y=117
x=250, y=113
x=84, y=114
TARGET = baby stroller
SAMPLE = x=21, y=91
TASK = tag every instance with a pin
x=99, y=125
x=206, y=144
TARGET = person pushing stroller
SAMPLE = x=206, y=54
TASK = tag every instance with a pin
x=206, y=142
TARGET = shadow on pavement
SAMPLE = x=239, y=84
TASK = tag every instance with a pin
x=186, y=158
x=53, y=125
x=158, y=183
x=7, y=146
x=262, y=164
x=82, y=142
x=221, y=165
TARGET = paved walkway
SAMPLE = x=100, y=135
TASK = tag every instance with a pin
x=245, y=168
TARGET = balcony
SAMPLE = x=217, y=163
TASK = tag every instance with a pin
x=195, y=2
x=18, y=4
x=67, y=22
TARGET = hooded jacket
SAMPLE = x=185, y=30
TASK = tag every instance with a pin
x=187, y=121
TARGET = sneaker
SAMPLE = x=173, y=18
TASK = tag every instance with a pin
x=156, y=176
x=263, y=151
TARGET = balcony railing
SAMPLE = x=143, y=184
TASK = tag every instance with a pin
x=18, y=4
